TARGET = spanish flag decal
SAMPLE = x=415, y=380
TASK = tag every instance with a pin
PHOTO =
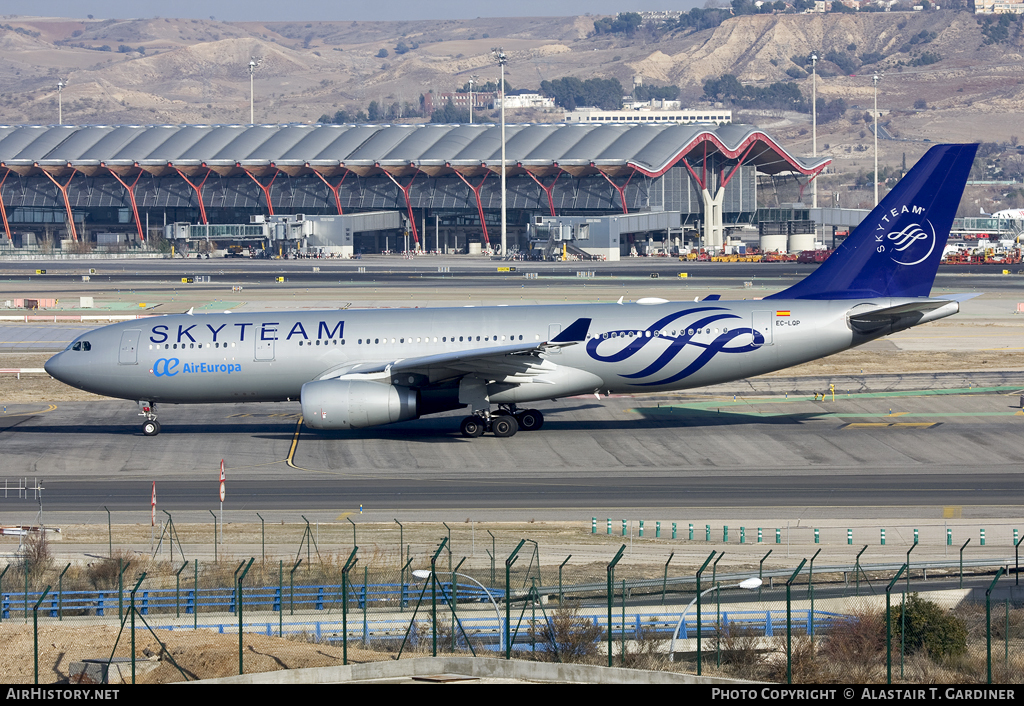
x=782, y=313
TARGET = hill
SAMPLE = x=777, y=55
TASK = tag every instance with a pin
x=963, y=76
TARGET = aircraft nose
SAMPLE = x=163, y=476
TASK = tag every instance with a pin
x=53, y=367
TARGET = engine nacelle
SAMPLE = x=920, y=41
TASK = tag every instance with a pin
x=355, y=404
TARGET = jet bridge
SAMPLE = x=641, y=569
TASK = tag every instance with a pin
x=603, y=237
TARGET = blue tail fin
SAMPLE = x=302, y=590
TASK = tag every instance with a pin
x=895, y=251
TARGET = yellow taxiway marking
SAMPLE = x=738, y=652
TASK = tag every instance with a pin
x=903, y=425
x=49, y=408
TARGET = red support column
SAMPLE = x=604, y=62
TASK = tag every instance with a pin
x=334, y=189
x=620, y=189
x=408, y=204
x=131, y=196
x=264, y=189
x=197, y=189
x=3, y=209
x=479, y=203
x=547, y=189
x=67, y=204
x=738, y=164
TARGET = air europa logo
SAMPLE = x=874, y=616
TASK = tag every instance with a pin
x=168, y=367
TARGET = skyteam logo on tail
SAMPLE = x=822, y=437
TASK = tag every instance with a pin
x=905, y=246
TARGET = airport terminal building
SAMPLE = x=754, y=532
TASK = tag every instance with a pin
x=367, y=188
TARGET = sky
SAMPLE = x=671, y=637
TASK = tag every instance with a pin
x=275, y=10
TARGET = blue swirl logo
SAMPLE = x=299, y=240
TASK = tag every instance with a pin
x=677, y=345
x=165, y=367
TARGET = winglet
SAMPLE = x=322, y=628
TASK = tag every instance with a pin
x=574, y=332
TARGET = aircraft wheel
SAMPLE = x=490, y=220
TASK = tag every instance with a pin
x=150, y=427
x=504, y=426
x=472, y=427
x=530, y=420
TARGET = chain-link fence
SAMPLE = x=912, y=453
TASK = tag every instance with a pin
x=130, y=617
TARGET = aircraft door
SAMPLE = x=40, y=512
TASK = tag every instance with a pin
x=264, y=349
x=762, y=323
x=129, y=352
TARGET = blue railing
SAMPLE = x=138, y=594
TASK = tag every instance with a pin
x=315, y=597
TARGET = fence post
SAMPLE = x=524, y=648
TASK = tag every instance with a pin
x=344, y=599
x=700, y=625
x=962, y=561
x=857, y=568
x=177, y=590
x=131, y=607
x=508, y=596
x=35, y=635
x=238, y=583
x=988, y=622
x=610, y=593
x=561, y=601
x=789, y=622
x=760, y=572
x=664, y=581
x=888, y=624
x=60, y=593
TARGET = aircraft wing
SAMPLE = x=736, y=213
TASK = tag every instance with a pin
x=516, y=362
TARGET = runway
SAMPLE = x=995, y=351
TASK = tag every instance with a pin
x=892, y=452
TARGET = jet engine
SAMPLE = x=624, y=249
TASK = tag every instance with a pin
x=355, y=404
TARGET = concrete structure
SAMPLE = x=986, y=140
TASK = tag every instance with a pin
x=529, y=100
x=434, y=101
x=471, y=668
x=60, y=182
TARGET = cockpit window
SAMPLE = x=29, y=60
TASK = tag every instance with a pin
x=76, y=346
x=86, y=346
x=81, y=346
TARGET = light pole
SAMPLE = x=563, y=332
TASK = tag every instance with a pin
x=500, y=57
x=747, y=584
x=425, y=574
x=60, y=102
x=254, y=62
x=874, y=80
x=472, y=79
x=814, y=124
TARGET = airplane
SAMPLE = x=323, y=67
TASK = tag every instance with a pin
x=351, y=369
x=1009, y=214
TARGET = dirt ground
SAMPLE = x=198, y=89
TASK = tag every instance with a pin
x=201, y=654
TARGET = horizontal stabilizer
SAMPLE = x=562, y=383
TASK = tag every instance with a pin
x=900, y=317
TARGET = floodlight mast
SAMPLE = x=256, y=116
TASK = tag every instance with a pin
x=254, y=62
x=60, y=102
x=874, y=80
x=472, y=80
x=499, y=56
x=814, y=124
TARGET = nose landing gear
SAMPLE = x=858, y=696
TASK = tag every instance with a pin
x=150, y=427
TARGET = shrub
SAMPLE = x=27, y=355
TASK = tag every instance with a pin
x=569, y=636
x=929, y=627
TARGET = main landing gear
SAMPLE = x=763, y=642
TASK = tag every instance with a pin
x=504, y=423
x=150, y=427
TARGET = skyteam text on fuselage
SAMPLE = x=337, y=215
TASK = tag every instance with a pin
x=360, y=368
